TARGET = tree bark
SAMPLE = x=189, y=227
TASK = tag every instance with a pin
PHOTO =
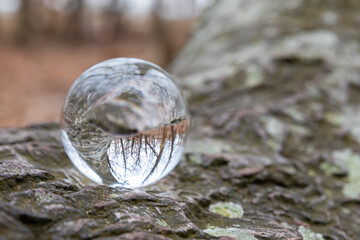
x=273, y=87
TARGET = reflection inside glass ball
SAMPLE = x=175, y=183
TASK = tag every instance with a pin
x=125, y=123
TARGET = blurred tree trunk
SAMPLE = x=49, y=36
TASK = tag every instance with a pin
x=114, y=16
x=24, y=22
x=173, y=27
x=274, y=92
x=74, y=29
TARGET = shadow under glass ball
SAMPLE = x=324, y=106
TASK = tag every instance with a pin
x=125, y=123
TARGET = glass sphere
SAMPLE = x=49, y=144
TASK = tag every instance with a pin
x=124, y=123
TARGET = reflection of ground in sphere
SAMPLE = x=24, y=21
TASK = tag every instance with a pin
x=125, y=123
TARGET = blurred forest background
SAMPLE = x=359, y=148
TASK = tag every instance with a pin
x=46, y=44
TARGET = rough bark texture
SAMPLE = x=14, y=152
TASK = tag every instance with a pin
x=274, y=92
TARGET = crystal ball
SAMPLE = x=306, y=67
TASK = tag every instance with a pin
x=124, y=123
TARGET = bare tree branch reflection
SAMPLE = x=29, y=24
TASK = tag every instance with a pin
x=164, y=142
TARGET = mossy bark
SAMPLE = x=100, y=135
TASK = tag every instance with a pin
x=274, y=90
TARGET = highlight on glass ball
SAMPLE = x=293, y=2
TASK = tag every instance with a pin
x=124, y=123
